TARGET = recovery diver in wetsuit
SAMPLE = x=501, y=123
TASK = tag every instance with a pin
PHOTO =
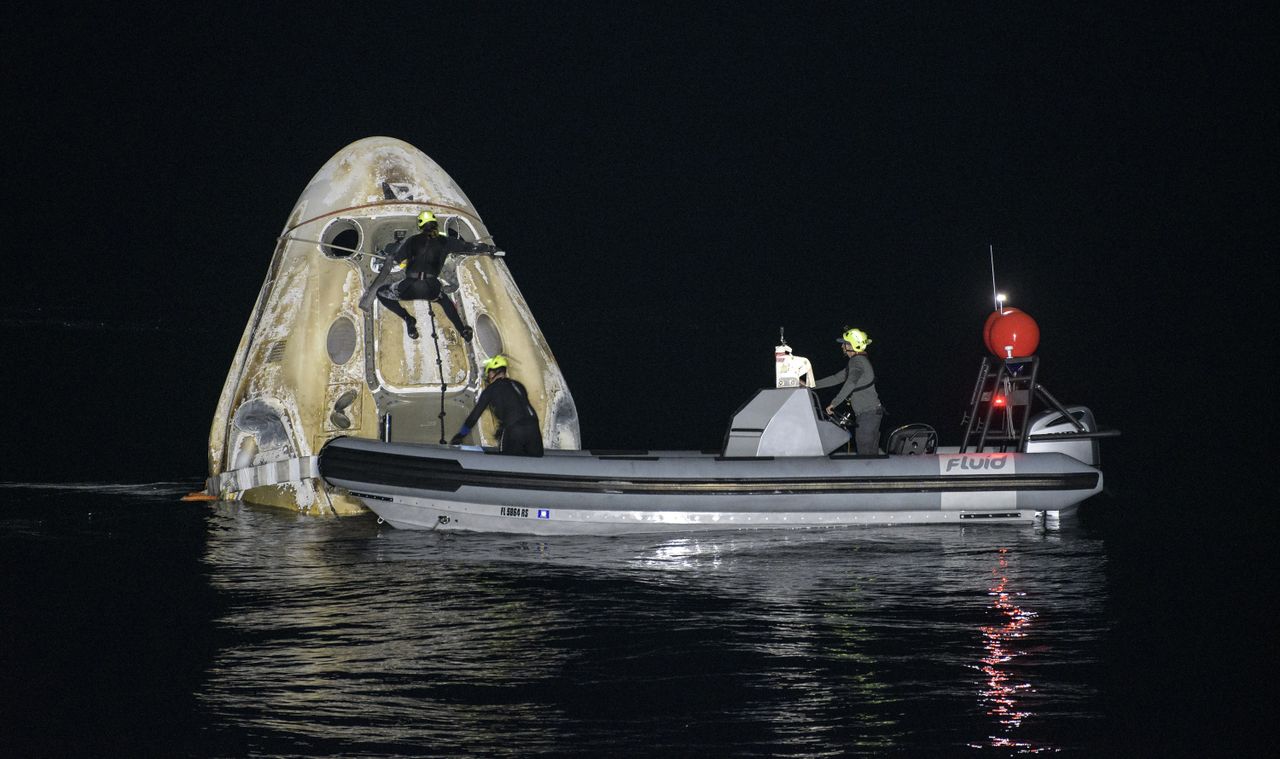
x=519, y=433
x=422, y=257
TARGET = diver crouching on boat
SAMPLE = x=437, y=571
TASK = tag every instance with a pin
x=858, y=386
x=519, y=433
x=422, y=257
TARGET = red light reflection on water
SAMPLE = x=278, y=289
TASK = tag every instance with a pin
x=1000, y=693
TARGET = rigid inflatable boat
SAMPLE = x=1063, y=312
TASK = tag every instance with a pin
x=783, y=464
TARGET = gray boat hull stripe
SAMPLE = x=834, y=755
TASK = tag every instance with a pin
x=342, y=465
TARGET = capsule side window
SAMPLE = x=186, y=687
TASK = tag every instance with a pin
x=341, y=238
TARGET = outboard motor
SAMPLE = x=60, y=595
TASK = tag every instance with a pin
x=1051, y=422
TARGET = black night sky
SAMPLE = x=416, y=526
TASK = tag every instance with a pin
x=672, y=185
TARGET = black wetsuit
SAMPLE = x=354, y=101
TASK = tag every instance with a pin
x=519, y=433
x=425, y=253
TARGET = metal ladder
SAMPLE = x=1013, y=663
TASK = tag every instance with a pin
x=1000, y=407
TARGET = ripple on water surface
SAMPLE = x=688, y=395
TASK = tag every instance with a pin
x=344, y=636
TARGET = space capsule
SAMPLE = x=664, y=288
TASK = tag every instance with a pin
x=316, y=363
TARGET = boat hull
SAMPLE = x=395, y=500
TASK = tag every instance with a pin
x=443, y=488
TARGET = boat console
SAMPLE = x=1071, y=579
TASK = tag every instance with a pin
x=782, y=422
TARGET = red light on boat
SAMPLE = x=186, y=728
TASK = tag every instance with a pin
x=998, y=401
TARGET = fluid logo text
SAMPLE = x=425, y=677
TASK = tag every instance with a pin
x=976, y=463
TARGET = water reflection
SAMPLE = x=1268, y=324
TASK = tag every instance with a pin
x=344, y=637
x=1000, y=645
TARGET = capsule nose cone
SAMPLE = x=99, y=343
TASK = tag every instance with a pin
x=378, y=171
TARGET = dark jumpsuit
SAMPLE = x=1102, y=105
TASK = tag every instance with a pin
x=858, y=385
x=519, y=433
x=425, y=252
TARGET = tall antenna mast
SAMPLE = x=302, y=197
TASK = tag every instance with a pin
x=995, y=296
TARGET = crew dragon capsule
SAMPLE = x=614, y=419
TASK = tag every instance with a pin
x=320, y=358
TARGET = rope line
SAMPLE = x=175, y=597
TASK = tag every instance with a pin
x=431, y=309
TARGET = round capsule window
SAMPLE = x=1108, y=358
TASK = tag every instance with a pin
x=341, y=341
x=340, y=239
x=488, y=336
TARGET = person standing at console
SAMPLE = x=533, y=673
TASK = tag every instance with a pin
x=858, y=386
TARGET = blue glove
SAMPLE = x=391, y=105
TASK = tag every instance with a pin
x=457, y=439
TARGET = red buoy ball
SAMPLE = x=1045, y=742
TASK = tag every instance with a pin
x=1013, y=333
x=986, y=328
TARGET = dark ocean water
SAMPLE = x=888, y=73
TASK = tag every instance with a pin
x=138, y=625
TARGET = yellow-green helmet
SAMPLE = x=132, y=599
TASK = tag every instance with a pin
x=497, y=362
x=425, y=218
x=856, y=338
